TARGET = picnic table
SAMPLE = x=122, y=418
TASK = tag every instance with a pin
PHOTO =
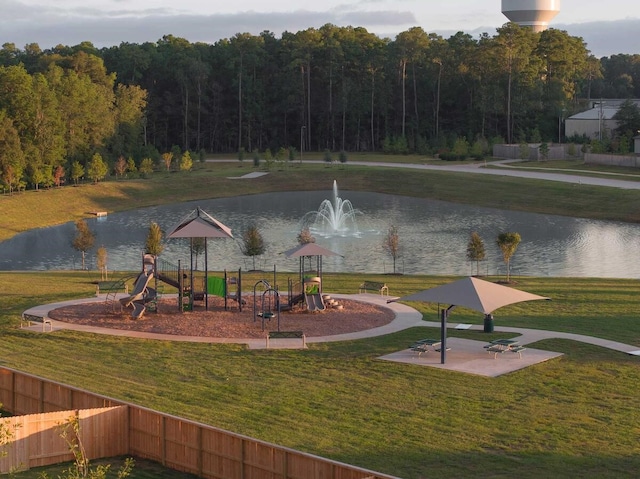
x=499, y=346
x=423, y=345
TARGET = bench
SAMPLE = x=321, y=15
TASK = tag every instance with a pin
x=27, y=319
x=374, y=286
x=287, y=335
x=497, y=349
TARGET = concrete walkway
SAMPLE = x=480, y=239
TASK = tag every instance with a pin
x=466, y=355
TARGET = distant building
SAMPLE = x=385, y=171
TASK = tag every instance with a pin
x=595, y=123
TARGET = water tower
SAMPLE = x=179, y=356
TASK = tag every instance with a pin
x=531, y=13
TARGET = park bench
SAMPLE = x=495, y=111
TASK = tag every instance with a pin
x=287, y=335
x=27, y=319
x=373, y=286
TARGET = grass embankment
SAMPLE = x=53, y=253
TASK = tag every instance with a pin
x=576, y=416
x=578, y=167
x=34, y=209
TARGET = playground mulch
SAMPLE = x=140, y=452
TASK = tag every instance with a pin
x=232, y=323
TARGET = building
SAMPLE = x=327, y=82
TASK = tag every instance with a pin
x=595, y=124
x=531, y=13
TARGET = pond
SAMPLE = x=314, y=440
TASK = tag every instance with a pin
x=433, y=237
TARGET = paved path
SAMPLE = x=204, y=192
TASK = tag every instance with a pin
x=405, y=318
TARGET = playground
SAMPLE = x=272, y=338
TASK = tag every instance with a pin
x=220, y=323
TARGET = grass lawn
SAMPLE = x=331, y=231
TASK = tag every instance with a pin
x=576, y=416
x=580, y=168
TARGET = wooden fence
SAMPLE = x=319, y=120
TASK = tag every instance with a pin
x=37, y=441
x=111, y=428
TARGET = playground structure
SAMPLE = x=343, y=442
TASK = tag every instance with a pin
x=189, y=286
x=142, y=293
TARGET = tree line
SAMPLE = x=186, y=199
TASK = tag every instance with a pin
x=331, y=88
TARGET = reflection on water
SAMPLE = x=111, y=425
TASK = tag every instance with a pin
x=433, y=238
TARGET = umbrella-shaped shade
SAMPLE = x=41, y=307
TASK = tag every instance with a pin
x=199, y=224
x=309, y=249
x=473, y=293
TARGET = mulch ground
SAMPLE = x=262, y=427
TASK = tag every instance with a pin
x=217, y=322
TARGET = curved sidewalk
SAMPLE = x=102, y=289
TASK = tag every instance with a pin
x=405, y=318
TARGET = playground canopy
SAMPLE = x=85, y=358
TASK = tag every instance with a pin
x=307, y=250
x=200, y=224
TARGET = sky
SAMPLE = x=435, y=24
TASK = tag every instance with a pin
x=607, y=27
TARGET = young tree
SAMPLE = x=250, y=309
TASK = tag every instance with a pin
x=121, y=166
x=154, y=245
x=146, y=166
x=544, y=151
x=475, y=250
x=186, y=162
x=197, y=246
x=81, y=469
x=84, y=239
x=508, y=243
x=58, y=176
x=77, y=171
x=101, y=261
x=391, y=245
x=305, y=236
x=97, y=168
x=131, y=165
x=253, y=243
x=167, y=158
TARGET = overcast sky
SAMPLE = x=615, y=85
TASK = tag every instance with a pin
x=608, y=27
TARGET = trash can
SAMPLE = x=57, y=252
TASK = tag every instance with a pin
x=488, y=323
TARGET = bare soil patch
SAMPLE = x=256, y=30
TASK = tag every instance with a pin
x=232, y=323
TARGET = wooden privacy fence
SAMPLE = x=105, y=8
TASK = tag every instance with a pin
x=36, y=438
x=113, y=428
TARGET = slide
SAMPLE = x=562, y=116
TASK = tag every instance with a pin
x=140, y=295
x=314, y=302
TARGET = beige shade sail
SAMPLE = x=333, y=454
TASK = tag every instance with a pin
x=473, y=293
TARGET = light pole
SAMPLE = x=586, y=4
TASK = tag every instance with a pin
x=560, y=119
x=302, y=129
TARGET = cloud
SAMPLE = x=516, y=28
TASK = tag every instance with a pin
x=49, y=26
x=608, y=38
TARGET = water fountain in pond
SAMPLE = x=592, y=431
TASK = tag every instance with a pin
x=334, y=217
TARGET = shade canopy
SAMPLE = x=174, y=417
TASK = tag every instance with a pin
x=309, y=249
x=472, y=293
x=199, y=224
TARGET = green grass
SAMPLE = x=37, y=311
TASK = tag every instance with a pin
x=578, y=167
x=574, y=416
x=35, y=209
